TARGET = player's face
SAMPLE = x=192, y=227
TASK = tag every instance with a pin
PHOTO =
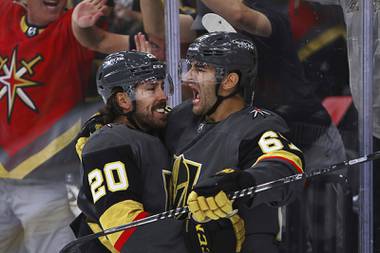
x=43, y=12
x=150, y=105
x=200, y=78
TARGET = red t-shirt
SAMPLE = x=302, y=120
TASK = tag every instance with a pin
x=42, y=78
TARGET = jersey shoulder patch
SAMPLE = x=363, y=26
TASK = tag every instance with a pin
x=256, y=120
x=258, y=112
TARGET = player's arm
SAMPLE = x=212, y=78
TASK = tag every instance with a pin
x=265, y=158
x=112, y=183
x=84, y=18
x=241, y=16
x=154, y=24
x=268, y=157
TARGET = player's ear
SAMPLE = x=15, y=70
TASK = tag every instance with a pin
x=230, y=81
x=123, y=101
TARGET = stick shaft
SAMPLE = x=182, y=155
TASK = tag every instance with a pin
x=237, y=194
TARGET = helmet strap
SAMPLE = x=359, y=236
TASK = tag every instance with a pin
x=219, y=99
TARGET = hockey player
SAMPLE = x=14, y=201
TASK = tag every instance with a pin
x=125, y=165
x=221, y=144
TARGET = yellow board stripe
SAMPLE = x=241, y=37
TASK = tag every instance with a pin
x=3, y=171
x=27, y=166
x=103, y=239
x=320, y=41
x=120, y=213
x=286, y=155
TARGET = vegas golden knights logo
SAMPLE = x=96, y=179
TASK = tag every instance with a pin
x=12, y=82
x=185, y=176
x=166, y=177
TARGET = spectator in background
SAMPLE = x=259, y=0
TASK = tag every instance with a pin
x=353, y=28
x=126, y=18
x=319, y=33
x=43, y=74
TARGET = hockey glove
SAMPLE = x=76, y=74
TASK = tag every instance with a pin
x=89, y=127
x=239, y=230
x=221, y=236
x=209, y=200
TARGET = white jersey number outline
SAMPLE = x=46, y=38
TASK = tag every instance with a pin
x=116, y=179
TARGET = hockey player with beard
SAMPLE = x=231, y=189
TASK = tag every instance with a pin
x=125, y=165
x=222, y=143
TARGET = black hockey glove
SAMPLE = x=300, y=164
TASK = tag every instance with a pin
x=221, y=236
x=208, y=200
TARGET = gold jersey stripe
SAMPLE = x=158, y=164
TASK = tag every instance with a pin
x=285, y=155
x=320, y=41
x=27, y=166
x=120, y=213
x=103, y=239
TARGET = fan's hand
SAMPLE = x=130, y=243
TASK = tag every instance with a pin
x=88, y=12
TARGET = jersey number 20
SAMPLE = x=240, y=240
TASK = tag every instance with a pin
x=116, y=179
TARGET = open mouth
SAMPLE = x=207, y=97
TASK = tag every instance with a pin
x=196, y=96
x=51, y=3
x=194, y=87
x=160, y=108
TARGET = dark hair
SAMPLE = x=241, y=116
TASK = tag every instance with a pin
x=111, y=110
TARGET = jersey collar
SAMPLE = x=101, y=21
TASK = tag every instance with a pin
x=30, y=30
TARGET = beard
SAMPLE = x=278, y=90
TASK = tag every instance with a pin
x=149, y=119
x=148, y=122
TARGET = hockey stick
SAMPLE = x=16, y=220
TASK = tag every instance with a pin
x=215, y=23
x=72, y=246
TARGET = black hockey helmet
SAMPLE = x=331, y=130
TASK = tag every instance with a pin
x=125, y=69
x=228, y=52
